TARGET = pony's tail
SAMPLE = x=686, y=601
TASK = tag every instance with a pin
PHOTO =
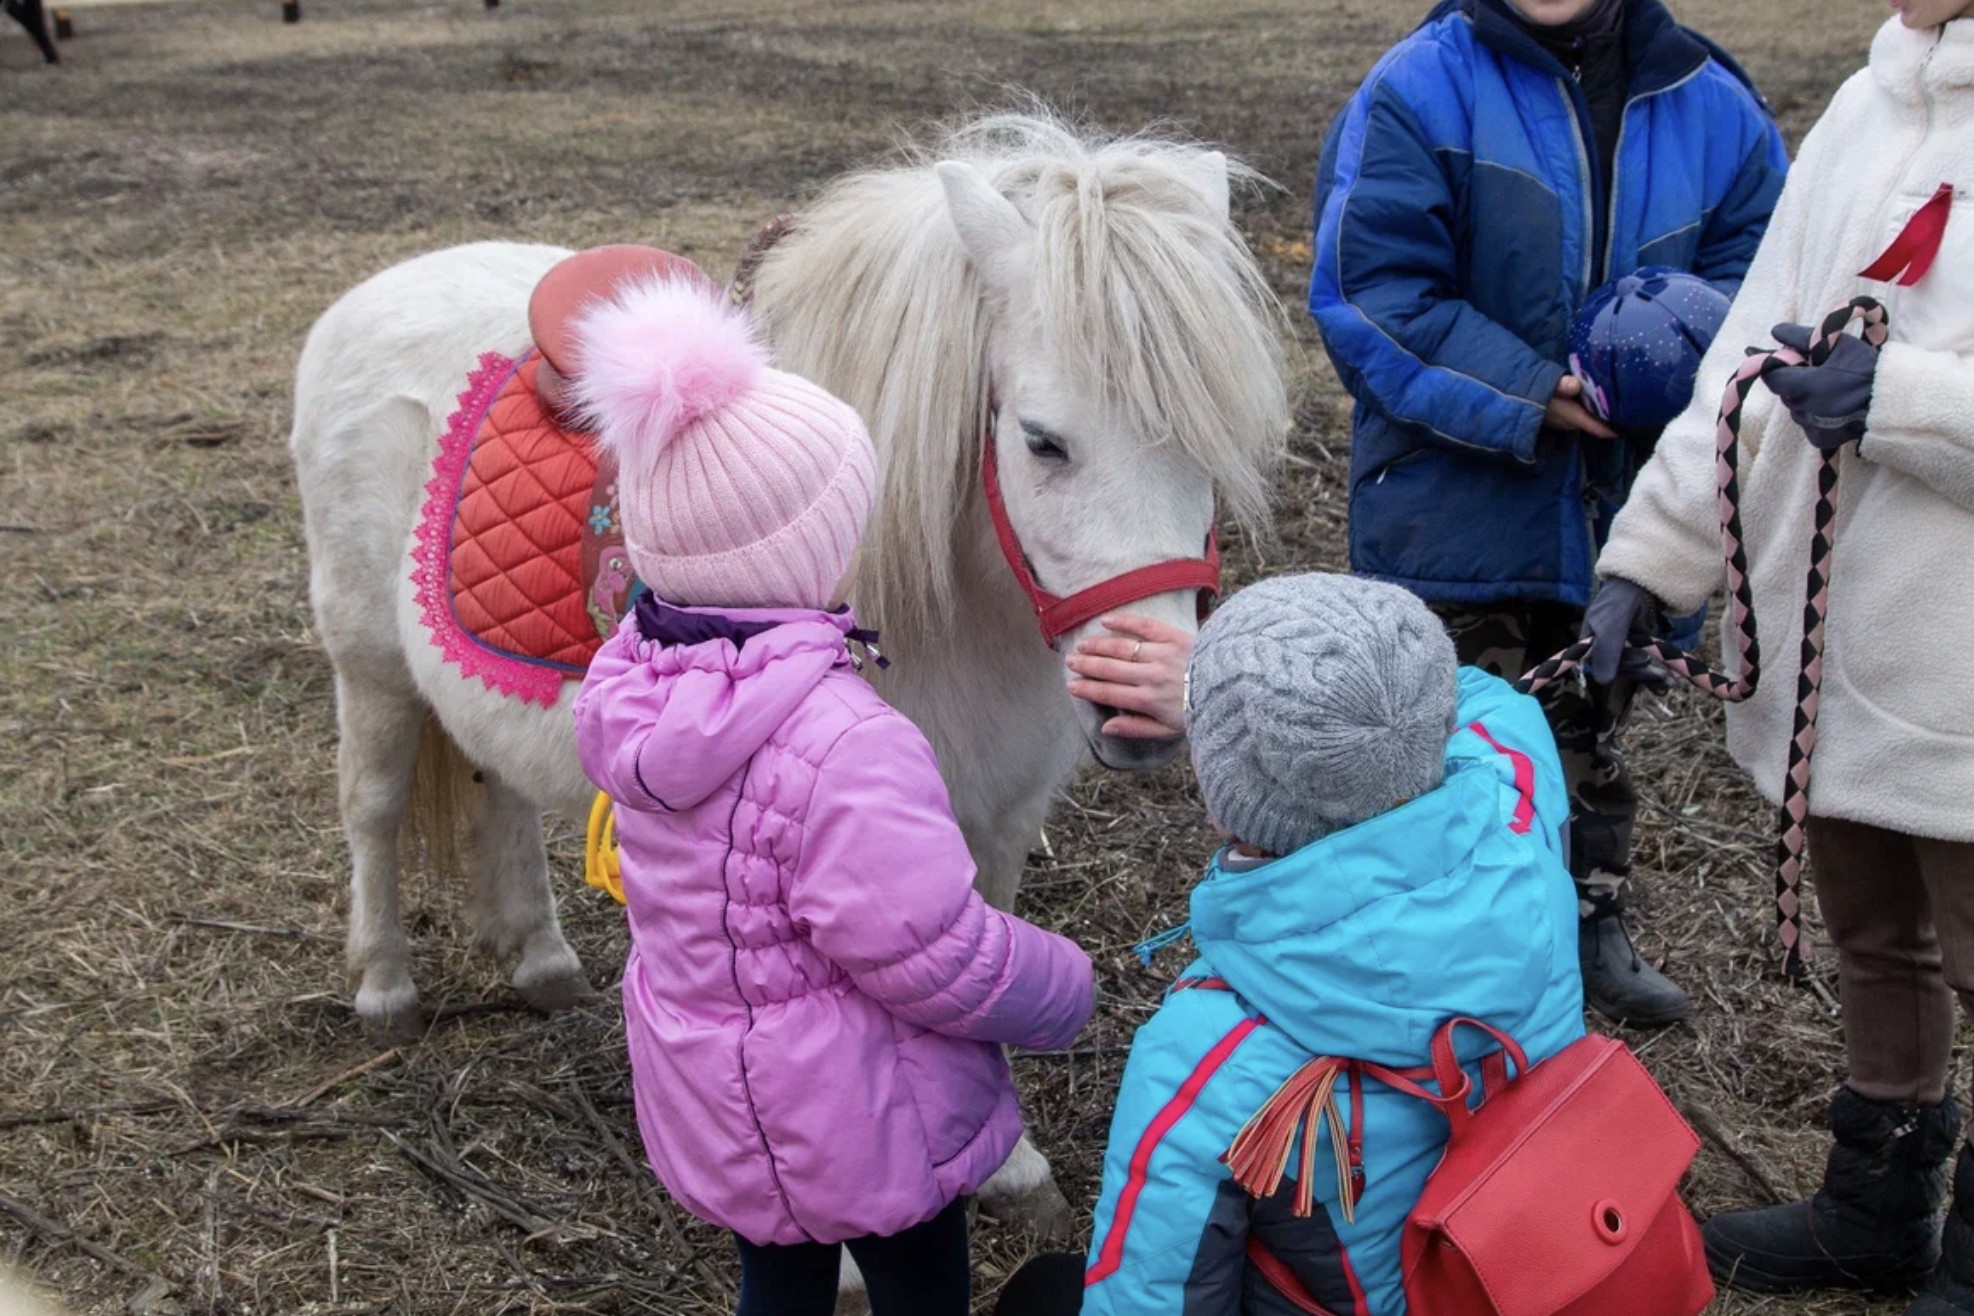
x=438, y=819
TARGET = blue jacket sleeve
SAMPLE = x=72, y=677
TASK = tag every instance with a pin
x=1737, y=222
x=1385, y=292
x=1165, y=1242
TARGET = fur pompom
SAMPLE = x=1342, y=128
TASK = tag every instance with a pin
x=656, y=357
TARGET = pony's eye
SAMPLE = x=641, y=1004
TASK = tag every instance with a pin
x=1043, y=442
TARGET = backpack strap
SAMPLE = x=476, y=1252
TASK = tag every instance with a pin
x=1454, y=1085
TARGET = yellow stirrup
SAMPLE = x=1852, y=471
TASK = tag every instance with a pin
x=601, y=868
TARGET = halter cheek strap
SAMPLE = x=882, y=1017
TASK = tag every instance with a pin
x=1060, y=614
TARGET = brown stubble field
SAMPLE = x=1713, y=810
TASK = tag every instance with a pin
x=190, y=1120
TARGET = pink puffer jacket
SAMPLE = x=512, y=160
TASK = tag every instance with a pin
x=816, y=997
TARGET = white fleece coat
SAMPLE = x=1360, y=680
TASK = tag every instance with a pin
x=1896, y=737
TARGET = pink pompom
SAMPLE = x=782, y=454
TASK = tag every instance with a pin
x=656, y=357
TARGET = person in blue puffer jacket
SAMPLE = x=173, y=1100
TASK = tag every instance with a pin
x=1396, y=860
x=1497, y=167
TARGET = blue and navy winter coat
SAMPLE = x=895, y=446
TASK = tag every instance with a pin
x=1463, y=217
x=1358, y=947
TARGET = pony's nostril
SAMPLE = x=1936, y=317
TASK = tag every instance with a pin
x=1104, y=713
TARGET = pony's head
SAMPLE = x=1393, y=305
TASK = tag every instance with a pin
x=1086, y=305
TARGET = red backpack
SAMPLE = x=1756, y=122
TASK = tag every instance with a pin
x=1558, y=1195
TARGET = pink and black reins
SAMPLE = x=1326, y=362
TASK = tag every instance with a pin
x=1790, y=844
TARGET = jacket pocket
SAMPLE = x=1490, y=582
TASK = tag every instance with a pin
x=957, y=1085
x=1894, y=580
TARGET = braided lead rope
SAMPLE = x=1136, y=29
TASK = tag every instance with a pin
x=1791, y=841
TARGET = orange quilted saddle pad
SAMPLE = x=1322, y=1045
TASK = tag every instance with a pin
x=521, y=573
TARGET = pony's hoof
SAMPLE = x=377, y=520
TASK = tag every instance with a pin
x=852, y=1298
x=1042, y=1211
x=393, y=1017
x=557, y=992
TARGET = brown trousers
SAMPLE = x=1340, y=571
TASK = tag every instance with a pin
x=1900, y=910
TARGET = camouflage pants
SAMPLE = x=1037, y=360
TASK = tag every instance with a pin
x=1509, y=638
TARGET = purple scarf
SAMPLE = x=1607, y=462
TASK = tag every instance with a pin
x=674, y=627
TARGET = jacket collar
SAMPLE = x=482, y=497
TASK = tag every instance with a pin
x=1658, y=51
x=1344, y=944
x=1909, y=65
x=673, y=625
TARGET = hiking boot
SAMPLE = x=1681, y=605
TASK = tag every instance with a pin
x=1875, y=1223
x=1617, y=982
x=1951, y=1290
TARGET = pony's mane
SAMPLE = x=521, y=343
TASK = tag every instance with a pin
x=1141, y=286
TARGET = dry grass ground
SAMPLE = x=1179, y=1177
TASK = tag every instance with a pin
x=189, y=1119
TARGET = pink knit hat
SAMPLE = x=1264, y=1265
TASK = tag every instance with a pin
x=739, y=485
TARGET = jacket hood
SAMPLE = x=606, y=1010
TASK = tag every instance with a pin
x=726, y=679
x=1362, y=943
x=1658, y=50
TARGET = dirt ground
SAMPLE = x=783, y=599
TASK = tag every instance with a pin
x=190, y=1120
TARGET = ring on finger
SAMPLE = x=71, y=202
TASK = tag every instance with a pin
x=1137, y=649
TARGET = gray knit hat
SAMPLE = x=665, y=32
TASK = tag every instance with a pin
x=1315, y=702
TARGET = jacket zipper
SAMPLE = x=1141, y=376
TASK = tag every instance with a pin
x=1590, y=271
x=1892, y=295
x=1617, y=158
x=1587, y=179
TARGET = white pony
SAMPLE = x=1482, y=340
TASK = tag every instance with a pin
x=1095, y=289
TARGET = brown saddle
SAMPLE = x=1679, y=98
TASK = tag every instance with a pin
x=568, y=289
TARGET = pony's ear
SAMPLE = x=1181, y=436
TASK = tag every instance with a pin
x=991, y=229
x=1210, y=176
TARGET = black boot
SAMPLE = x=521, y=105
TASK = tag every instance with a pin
x=1617, y=982
x=1875, y=1223
x=1951, y=1290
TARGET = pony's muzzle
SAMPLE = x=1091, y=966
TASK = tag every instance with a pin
x=1122, y=755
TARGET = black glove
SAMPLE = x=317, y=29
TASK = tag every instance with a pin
x=1829, y=401
x=1620, y=614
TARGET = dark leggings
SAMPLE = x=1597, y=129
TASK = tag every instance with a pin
x=1049, y=1285
x=923, y=1271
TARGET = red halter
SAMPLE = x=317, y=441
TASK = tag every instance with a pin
x=1058, y=615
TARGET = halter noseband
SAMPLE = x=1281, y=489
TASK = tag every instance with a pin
x=1059, y=615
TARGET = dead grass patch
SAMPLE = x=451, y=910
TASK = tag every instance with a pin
x=189, y=1120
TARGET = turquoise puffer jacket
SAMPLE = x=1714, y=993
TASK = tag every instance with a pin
x=1359, y=947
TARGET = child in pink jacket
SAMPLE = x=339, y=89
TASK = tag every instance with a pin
x=816, y=998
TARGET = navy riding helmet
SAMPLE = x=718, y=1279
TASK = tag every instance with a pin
x=1637, y=345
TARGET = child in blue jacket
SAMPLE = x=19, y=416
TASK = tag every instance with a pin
x=1497, y=167
x=1395, y=860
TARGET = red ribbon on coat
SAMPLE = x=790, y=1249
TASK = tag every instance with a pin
x=1913, y=251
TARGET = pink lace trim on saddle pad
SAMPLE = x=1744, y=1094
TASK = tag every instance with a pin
x=506, y=541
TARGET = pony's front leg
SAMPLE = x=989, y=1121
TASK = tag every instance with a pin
x=514, y=903
x=378, y=725
x=1023, y=1192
